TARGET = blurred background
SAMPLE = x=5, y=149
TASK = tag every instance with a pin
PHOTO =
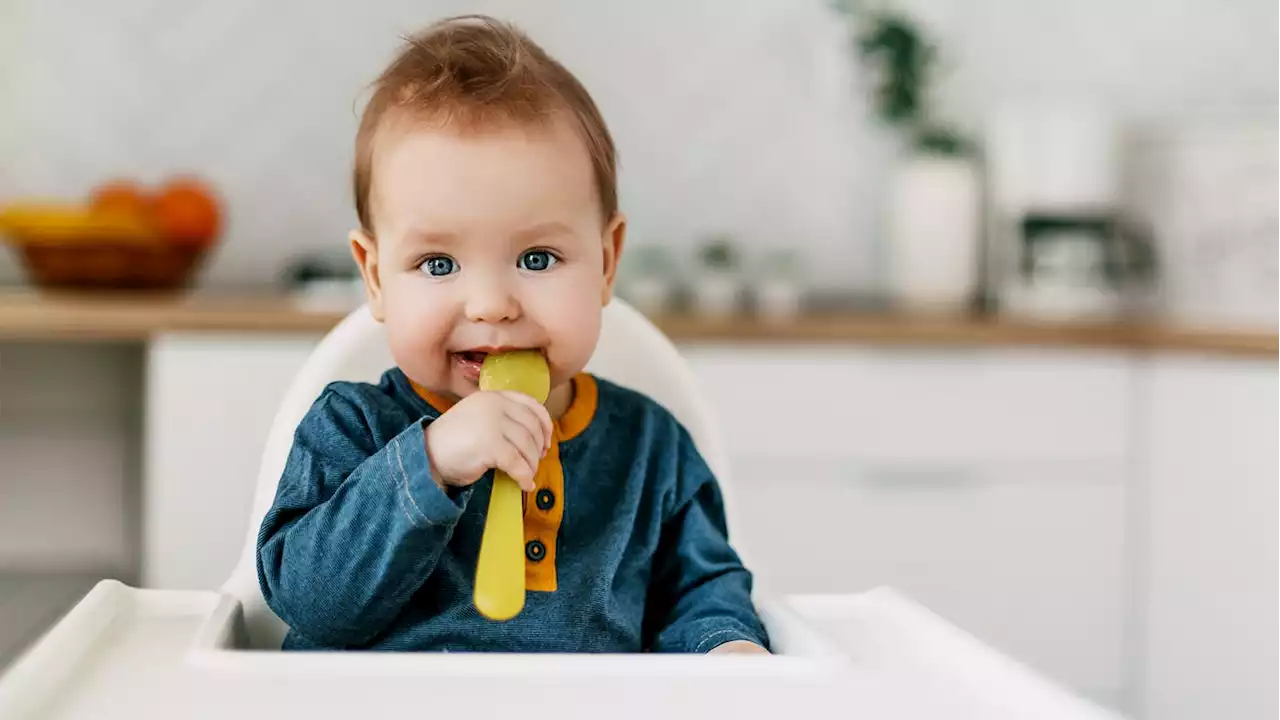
x=1013, y=264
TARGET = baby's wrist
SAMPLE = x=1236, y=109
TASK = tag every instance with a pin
x=436, y=477
x=439, y=478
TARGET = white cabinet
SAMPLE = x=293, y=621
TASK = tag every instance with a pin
x=919, y=407
x=989, y=485
x=210, y=402
x=1034, y=568
x=1209, y=551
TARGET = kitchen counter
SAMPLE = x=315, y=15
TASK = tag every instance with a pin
x=99, y=316
x=27, y=315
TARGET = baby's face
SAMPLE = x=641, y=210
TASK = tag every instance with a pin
x=486, y=241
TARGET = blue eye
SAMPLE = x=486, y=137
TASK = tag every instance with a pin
x=537, y=260
x=439, y=266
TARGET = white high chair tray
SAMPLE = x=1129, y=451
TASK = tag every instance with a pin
x=128, y=653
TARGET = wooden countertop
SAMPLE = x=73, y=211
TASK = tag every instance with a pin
x=35, y=316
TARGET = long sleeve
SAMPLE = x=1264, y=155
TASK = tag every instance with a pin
x=700, y=595
x=357, y=525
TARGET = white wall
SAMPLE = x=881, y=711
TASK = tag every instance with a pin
x=272, y=121
x=729, y=115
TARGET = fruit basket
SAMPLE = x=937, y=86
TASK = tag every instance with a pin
x=124, y=239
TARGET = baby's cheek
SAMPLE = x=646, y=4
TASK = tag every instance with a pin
x=577, y=328
x=415, y=347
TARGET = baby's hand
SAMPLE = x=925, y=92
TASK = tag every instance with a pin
x=739, y=647
x=506, y=430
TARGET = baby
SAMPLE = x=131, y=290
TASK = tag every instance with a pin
x=486, y=191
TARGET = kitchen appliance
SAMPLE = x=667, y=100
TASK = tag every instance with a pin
x=1059, y=246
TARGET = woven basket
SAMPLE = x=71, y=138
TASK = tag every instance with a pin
x=71, y=245
x=105, y=264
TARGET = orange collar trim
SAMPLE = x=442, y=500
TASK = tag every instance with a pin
x=582, y=409
x=438, y=402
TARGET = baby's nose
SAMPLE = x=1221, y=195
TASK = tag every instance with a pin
x=491, y=301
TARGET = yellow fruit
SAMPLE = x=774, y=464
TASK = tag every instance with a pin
x=33, y=223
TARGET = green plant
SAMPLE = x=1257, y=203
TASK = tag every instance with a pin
x=648, y=260
x=938, y=140
x=718, y=253
x=893, y=47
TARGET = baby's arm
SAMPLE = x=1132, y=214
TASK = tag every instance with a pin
x=700, y=596
x=355, y=529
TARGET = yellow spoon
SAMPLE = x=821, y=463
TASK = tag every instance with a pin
x=499, y=593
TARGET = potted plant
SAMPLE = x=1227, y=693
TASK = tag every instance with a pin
x=933, y=202
x=648, y=279
x=717, y=286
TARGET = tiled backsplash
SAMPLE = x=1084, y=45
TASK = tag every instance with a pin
x=730, y=116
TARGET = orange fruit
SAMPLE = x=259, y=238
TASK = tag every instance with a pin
x=119, y=209
x=120, y=197
x=186, y=210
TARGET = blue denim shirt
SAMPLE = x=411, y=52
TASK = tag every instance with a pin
x=362, y=549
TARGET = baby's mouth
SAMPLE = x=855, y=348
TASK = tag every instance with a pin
x=480, y=353
x=470, y=362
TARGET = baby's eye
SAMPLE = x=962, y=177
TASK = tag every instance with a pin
x=439, y=266
x=537, y=260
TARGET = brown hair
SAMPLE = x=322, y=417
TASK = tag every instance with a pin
x=474, y=71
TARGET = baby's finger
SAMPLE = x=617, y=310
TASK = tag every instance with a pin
x=533, y=416
x=529, y=445
x=518, y=456
x=523, y=414
x=539, y=411
x=524, y=418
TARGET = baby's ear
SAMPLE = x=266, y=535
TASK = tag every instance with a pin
x=615, y=235
x=365, y=252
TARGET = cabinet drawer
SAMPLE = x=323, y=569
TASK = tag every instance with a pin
x=1032, y=568
x=937, y=406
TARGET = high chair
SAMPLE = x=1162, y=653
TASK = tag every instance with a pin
x=123, y=652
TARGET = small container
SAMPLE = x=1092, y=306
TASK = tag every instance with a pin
x=648, y=280
x=717, y=287
x=779, y=286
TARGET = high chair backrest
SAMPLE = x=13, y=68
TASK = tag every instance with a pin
x=631, y=352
